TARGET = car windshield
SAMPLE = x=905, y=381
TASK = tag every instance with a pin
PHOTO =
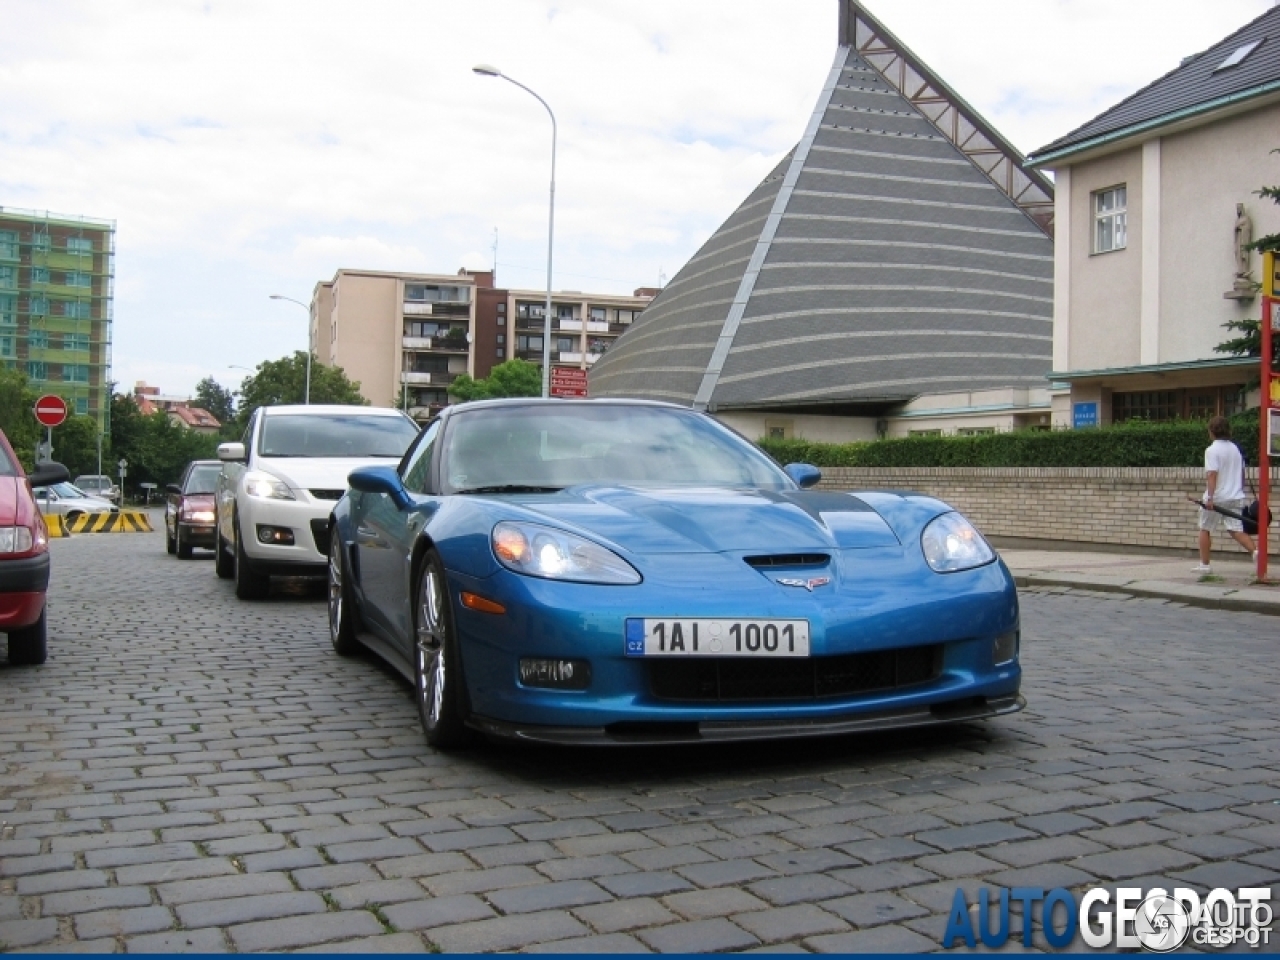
x=68, y=491
x=336, y=435
x=203, y=479
x=551, y=446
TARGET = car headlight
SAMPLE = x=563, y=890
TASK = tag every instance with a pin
x=198, y=516
x=539, y=551
x=266, y=486
x=952, y=543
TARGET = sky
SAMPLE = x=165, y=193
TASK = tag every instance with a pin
x=254, y=147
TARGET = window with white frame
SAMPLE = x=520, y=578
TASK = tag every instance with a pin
x=37, y=370
x=9, y=244
x=75, y=373
x=75, y=341
x=39, y=339
x=78, y=278
x=39, y=274
x=1110, y=219
x=79, y=245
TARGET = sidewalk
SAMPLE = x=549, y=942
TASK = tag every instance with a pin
x=1230, y=587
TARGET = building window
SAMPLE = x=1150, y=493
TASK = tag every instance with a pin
x=8, y=347
x=502, y=309
x=1110, y=219
x=627, y=316
x=598, y=314
x=82, y=405
x=1145, y=405
x=75, y=341
x=79, y=245
x=975, y=431
x=38, y=306
x=39, y=274
x=9, y=244
x=526, y=343
x=40, y=242
x=565, y=344
x=37, y=370
x=499, y=354
x=75, y=373
x=80, y=309
x=8, y=311
x=8, y=277
x=924, y=433
x=502, y=338
x=77, y=278
x=38, y=339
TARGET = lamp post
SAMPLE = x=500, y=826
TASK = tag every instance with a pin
x=306, y=397
x=488, y=71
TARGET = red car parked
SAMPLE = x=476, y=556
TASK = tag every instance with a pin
x=24, y=556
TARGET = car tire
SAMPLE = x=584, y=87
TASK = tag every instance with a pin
x=224, y=564
x=29, y=646
x=170, y=542
x=249, y=585
x=342, y=627
x=439, y=688
x=181, y=545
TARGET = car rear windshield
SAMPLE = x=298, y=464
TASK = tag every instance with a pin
x=203, y=479
x=560, y=445
x=336, y=435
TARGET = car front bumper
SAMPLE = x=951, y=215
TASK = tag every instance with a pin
x=302, y=557
x=23, y=583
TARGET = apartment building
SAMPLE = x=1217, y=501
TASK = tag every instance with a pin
x=405, y=337
x=56, y=277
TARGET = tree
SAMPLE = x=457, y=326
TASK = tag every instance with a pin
x=217, y=399
x=75, y=444
x=16, y=419
x=1247, y=341
x=284, y=381
x=514, y=378
x=156, y=448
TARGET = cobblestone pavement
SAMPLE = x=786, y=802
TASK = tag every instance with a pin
x=192, y=773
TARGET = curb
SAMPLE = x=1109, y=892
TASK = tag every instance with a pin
x=1245, y=600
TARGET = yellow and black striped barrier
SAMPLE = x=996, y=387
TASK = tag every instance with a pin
x=126, y=521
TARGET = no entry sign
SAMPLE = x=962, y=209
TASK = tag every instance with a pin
x=50, y=410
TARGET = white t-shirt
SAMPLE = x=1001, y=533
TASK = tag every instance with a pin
x=1224, y=457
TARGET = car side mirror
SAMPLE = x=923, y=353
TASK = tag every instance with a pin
x=231, y=451
x=173, y=488
x=48, y=473
x=804, y=474
x=381, y=480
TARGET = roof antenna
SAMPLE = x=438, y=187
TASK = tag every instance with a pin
x=662, y=278
x=495, y=256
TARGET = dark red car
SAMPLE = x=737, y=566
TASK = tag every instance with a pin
x=188, y=511
x=24, y=556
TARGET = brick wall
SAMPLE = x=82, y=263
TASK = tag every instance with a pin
x=1140, y=506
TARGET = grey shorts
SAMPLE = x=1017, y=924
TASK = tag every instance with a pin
x=1211, y=520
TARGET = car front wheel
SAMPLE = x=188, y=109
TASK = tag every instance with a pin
x=29, y=646
x=439, y=687
x=342, y=632
x=170, y=541
x=249, y=584
x=181, y=543
x=224, y=564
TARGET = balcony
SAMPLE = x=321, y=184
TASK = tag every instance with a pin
x=413, y=378
x=417, y=309
x=416, y=343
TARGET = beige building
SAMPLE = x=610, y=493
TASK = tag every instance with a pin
x=1149, y=255
x=405, y=337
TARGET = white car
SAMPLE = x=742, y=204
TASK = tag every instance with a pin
x=70, y=501
x=278, y=486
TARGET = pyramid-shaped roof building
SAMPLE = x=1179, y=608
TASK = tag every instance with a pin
x=901, y=248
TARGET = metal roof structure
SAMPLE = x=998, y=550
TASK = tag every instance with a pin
x=901, y=248
x=1240, y=67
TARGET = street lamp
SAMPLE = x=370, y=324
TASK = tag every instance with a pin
x=485, y=70
x=306, y=397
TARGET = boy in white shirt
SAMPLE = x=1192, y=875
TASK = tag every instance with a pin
x=1224, y=487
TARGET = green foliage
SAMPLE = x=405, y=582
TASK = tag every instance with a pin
x=284, y=381
x=1271, y=241
x=157, y=448
x=1132, y=444
x=514, y=378
x=75, y=444
x=17, y=400
x=1247, y=341
x=217, y=399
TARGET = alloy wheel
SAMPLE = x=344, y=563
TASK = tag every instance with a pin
x=431, y=667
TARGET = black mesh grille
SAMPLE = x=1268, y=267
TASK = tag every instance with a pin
x=320, y=533
x=785, y=679
x=327, y=494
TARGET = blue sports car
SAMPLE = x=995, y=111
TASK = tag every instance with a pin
x=627, y=572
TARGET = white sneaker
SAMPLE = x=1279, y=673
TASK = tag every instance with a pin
x=1255, y=556
x=1202, y=568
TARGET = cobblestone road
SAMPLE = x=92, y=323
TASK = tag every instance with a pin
x=189, y=772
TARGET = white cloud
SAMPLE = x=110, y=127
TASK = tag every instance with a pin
x=248, y=147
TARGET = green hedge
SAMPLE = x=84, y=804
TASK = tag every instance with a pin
x=1133, y=444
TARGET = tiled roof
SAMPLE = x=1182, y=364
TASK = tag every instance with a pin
x=1200, y=82
x=195, y=417
x=900, y=249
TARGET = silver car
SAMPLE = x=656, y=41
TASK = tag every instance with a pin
x=280, y=483
x=70, y=501
x=98, y=485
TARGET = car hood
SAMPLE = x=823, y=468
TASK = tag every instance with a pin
x=691, y=520
x=318, y=473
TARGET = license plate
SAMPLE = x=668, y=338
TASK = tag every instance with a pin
x=694, y=637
